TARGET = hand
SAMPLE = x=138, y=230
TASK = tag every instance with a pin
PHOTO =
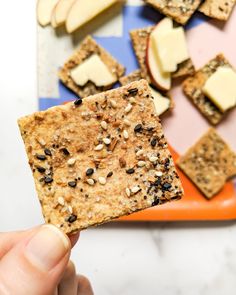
x=36, y=262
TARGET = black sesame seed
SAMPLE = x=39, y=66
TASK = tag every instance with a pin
x=72, y=218
x=41, y=157
x=89, y=172
x=153, y=142
x=78, y=102
x=130, y=171
x=133, y=91
x=48, y=179
x=156, y=202
x=166, y=186
x=157, y=182
x=72, y=183
x=138, y=128
x=41, y=169
x=110, y=174
x=48, y=152
x=65, y=151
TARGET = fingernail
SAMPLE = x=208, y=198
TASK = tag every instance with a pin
x=47, y=248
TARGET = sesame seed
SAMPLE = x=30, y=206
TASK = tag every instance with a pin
x=135, y=189
x=132, y=100
x=113, y=103
x=138, y=128
x=72, y=218
x=102, y=180
x=133, y=91
x=78, y=102
x=141, y=163
x=107, y=141
x=125, y=134
x=158, y=173
x=48, y=179
x=127, y=122
x=70, y=209
x=65, y=151
x=98, y=199
x=99, y=147
x=41, y=157
x=72, y=183
x=61, y=201
x=71, y=162
x=47, y=152
x=41, y=169
x=130, y=171
x=110, y=174
x=90, y=181
x=41, y=141
x=139, y=153
x=104, y=125
x=89, y=171
x=153, y=159
x=127, y=191
x=128, y=108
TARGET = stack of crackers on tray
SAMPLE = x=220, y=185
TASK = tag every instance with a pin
x=105, y=155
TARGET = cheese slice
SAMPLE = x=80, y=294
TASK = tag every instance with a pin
x=172, y=49
x=83, y=11
x=162, y=103
x=93, y=69
x=220, y=88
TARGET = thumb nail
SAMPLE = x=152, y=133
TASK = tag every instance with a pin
x=47, y=247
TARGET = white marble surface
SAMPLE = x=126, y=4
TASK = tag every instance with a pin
x=120, y=259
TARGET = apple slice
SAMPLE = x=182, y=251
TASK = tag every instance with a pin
x=93, y=69
x=83, y=11
x=162, y=80
x=61, y=11
x=162, y=103
x=45, y=10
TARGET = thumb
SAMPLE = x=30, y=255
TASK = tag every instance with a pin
x=36, y=263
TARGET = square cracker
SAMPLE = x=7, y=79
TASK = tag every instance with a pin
x=135, y=171
x=136, y=76
x=85, y=50
x=139, y=39
x=209, y=163
x=180, y=10
x=192, y=87
x=219, y=9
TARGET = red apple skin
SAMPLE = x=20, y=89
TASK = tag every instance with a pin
x=154, y=82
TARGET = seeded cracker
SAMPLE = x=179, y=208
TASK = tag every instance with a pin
x=139, y=39
x=192, y=87
x=209, y=163
x=219, y=9
x=85, y=50
x=108, y=158
x=180, y=10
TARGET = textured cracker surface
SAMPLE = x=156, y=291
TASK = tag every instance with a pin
x=136, y=76
x=219, y=9
x=209, y=163
x=139, y=39
x=71, y=133
x=85, y=50
x=179, y=10
x=192, y=87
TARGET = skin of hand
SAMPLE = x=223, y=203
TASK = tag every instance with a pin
x=36, y=262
